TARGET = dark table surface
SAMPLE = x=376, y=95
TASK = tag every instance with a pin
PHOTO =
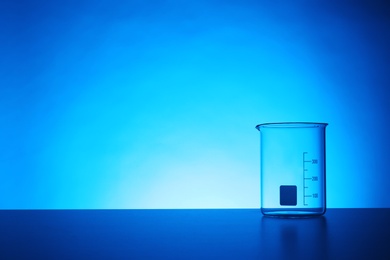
x=193, y=234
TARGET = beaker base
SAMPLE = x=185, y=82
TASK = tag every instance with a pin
x=295, y=212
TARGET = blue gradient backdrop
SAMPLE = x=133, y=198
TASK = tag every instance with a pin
x=153, y=104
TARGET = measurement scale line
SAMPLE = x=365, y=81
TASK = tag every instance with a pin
x=303, y=165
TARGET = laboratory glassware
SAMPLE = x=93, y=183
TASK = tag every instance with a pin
x=292, y=168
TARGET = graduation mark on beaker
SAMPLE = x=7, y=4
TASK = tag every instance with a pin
x=307, y=179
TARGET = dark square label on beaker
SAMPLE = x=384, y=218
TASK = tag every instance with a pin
x=288, y=195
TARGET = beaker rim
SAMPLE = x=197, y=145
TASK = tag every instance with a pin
x=291, y=125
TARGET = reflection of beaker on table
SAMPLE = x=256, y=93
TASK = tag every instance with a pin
x=292, y=168
x=294, y=238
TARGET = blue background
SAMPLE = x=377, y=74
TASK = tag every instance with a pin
x=153, y=104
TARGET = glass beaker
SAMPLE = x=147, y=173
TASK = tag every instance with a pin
x=292, y=168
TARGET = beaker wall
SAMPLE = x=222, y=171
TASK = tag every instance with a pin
x=292, y=168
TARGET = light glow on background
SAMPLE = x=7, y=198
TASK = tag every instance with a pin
x=153, y=104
